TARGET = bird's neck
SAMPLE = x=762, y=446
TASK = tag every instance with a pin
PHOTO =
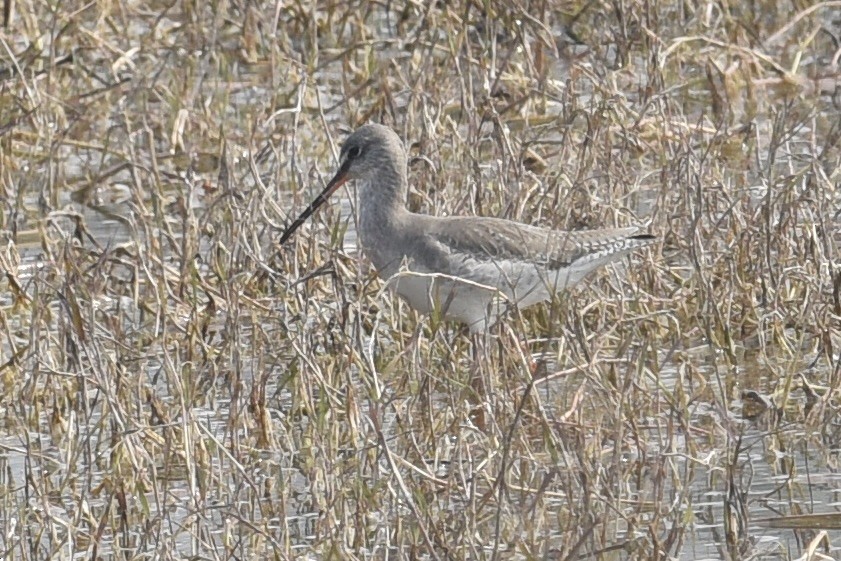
x=381, y=208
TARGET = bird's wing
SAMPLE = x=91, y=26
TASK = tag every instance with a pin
x=495, y=239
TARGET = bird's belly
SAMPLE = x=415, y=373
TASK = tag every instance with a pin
x=445, y=297
x=478, y=300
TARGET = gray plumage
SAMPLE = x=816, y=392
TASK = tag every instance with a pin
x=464, y=268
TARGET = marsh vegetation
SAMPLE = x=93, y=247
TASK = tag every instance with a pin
x=174, y=385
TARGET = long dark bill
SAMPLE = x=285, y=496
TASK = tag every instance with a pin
x=337, y=181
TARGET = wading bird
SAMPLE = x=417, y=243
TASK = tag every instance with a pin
x=471, y=268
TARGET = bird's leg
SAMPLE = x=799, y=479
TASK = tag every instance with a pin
x=479, y=382
x=514, y=352
x=535, y=364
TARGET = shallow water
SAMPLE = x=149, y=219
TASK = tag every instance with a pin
x=159, y=405
x=768, y=480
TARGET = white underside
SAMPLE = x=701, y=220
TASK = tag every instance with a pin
x=479, y=291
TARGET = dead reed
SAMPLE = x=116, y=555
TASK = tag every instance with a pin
x=175, y=386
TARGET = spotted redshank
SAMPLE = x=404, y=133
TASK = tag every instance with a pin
x=469, y=269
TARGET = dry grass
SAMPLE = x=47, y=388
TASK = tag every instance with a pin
x=174, y=386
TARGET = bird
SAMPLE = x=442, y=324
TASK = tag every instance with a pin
x=470, y=269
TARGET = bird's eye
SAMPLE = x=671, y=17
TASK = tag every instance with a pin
x=353, y=152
